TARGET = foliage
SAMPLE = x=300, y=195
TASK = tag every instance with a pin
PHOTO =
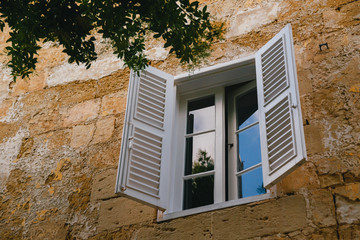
x=204, y=162
x=184, y=27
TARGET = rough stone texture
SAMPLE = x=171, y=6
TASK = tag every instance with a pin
x=104, y=129
x=82, y=135
x=118, y=212
x=103, y=186
x=348, y=211
x=60, y=135
x=276, y=216
x=322, y=208
x=349, y=232
x=81, y=112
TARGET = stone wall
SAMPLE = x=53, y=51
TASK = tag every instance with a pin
x=60, y=134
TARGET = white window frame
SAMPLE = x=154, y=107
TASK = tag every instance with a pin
x=289, y=154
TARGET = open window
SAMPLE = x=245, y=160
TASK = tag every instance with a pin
x=206, y=140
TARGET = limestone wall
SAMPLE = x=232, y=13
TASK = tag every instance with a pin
x=60, y=134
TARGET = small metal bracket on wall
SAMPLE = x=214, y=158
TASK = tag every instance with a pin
x=323, y=44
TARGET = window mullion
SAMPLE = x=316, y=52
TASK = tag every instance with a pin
x=219, y=185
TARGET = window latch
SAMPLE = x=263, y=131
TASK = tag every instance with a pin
x=294, y=106
x=230, y=145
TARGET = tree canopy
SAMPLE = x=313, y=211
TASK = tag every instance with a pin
x=184, y=26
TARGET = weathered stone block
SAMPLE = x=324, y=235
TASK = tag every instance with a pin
x=76, y=92
x=81, y=112
x=36, y=82
x=330, y=180
x=303, y=177
x=113, y=83
x=44, y=121
x=104, y=130
x=322, y=208
x=118, y=212
x=103, y=185
x=276, y=216
x=324, y=234
x=103, y=154
x=314, y=138
x=332, y=165
x=82, y=135
x=57, y=139
x=348, y=211
x=350, y=191
x=349, y=232
x=247, y=21
x=192, y=227
x=113, y=104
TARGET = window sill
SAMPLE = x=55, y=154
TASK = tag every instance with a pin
x=161, y=217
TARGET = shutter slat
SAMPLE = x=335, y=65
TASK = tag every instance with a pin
x=146, y=173
x=276, y=61
x=138, y=158
x=281, y=153
x=274, y=166
x=146, y=167
x=159, y=117
x=151, y=99
x=140, y=147
x=141, y=178
x=278, y=108
x=266, y=54
x=154, y=85
x=149, y=120
x=153, y=90
x=139, y=186
x=138, y=152
x=151, y=94
x=277, y=135
x=149, y=144
x=156, y=79
x=283, y=141
x=278, y=124
x=144, y=104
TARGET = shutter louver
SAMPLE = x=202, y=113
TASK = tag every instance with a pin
x=145, y=159
x=145, y=151
x=151, y=100
x=279, y=134
x=282, y=137
x=274, y=71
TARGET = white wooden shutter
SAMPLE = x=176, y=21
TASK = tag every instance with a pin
x=281, y=129
x=146, y=143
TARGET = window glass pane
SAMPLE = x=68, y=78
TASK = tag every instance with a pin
x=198, y=192
x=249, y=151
x=201, y=115
x=251, y=184
x=200, y=152
x=246, y=109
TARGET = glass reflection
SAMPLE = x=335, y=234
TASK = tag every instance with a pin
x=201, y=115
x=249, y=148
x=246, y=109
x=251, y=184
x=198, y=192
x=199, y=153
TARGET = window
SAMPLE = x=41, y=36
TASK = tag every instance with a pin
x=227, y=132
